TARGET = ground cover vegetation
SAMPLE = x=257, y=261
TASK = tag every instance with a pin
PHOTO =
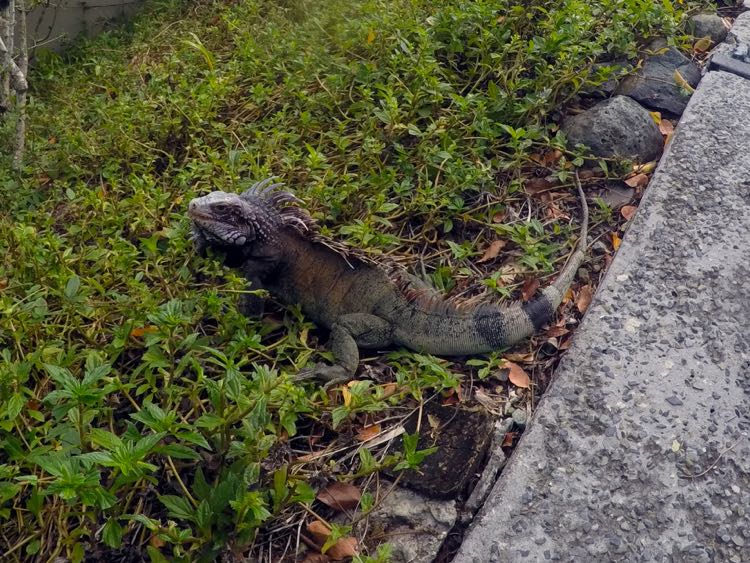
x=141, y=416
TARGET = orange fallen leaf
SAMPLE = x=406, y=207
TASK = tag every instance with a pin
x=316, y=558
x=637, y=181
x=517, y=375
x=666, y=128
x=368, y=432
x=499, y=217
x=156, y=541
x=370, y=36
x=340, y=496
x=492, y=250
x=585, y=294
x=616, y=240
x=628, y=211
x=389, y=389
x=529, y=288
x=319, y=531
x=140, y=331
x=508, y=439
x=345, y=547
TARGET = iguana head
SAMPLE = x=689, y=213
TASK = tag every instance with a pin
x=256, y=216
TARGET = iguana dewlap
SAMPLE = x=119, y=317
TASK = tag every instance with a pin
x=275, y=244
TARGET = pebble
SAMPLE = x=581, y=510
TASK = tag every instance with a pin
x=674, y=400
x=519, y=417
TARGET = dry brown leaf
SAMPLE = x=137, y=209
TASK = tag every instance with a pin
x=492, y=250
x=616, y=240
x=666, y=128
x=389, y=389
x=340, y=496
x=628, y=211
x=521, y=358
x=319, y=531
x=499, y=217
x=156, y=541
x=517, y=375
x=345, y=547
x=568, y=295
x=368, y=432
x=316, y=558
x=585, y=294
x=508, y=439
x=433, y=421
x=556, y=331
x=534, y=186
x=638, y=181
x=529, y=288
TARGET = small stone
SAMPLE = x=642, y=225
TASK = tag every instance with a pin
x=519, y=417
x=708, y=25
x=654, y=84
x=616, y=127
x=674, y=400
x=738, y=540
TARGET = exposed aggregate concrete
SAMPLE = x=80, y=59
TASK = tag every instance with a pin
x=656, y=386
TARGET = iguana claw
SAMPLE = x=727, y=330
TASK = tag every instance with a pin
x=332, y=375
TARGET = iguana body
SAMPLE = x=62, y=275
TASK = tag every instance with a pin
x=274, y=244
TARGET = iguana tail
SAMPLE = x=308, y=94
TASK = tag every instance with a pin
x=437, y=328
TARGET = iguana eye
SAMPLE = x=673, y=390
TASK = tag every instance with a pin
x=221, y=208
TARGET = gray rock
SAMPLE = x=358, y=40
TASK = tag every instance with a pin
x=615, y=70
x=675, y=302
x=617, y=194
x=414, y=525
x=616, y=127
x=520, y=417
x=654, y=85
x=708, y=25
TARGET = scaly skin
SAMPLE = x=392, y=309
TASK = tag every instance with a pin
x=274, y=243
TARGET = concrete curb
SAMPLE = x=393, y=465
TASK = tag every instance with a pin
x=640, y=449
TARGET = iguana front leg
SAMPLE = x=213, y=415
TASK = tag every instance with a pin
x=349, y=333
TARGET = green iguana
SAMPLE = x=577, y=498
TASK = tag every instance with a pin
x=275, y=244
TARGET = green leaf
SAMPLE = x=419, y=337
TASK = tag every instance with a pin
x=72, y=287
x=61, y=376
x=203, y=515
x=178, y=451
x=178, y=507
x=105, y=439
x=112, y=533
x=155, y=555
x=8, y=490
x=209, y=421
x=147, y=443
x=194, y=438
x=15, y=405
